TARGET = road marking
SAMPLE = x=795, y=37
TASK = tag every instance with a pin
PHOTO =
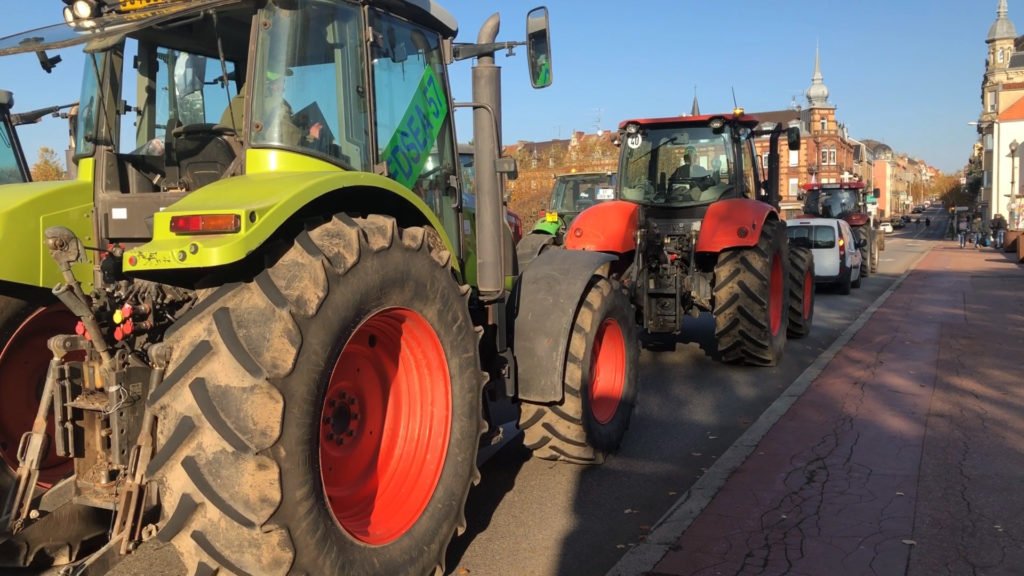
x=665, y=533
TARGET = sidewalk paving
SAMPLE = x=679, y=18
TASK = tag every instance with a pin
x=904, y=456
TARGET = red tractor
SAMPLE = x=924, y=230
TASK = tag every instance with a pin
x=696, y=227
x=847, y=201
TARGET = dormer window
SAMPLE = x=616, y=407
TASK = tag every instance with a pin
x=824, y=124
x=999, y=57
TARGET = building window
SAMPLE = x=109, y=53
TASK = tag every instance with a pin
x=794, y=186
x=823, y=123
x=991, y=102
x=999, y=58
x=832, y=156
x=824, y=156
x=794, y=157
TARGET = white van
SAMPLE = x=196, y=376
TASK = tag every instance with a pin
x=837, y=258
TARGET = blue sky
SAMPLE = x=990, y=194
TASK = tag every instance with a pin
x=906, y=72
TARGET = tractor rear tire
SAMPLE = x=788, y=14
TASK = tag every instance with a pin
x=323, y=418
x=27, y=321
x=801, y=291
x=600, y=387
x=863, y=234
x=751, y=291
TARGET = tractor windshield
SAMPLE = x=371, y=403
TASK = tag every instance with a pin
x=676, y=165
x=835, y=203
x=574, y=193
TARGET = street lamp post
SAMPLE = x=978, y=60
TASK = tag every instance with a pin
x=1013, y=184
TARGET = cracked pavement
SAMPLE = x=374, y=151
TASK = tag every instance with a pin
x=904, y=456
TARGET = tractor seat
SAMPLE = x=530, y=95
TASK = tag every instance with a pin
x=204, y=153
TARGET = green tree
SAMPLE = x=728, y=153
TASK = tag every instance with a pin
x=48, y=167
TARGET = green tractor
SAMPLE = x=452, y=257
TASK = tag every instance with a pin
x=280, y=359
x=572, y=193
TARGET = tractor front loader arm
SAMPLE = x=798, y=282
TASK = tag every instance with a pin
x=550, y=291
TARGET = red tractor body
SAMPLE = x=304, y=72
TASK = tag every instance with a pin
x=696, y=227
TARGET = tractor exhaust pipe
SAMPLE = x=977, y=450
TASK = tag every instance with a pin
x=486, y=145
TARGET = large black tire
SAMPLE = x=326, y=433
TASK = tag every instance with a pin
x=602, y=365
x=801, y=291
x=863, y=234
x=301, y=375
x=751, y=290
x=27, y=321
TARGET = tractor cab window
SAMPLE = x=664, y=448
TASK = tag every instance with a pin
x=309, y=92
x=677, y=165
x=576, y=193
x=10, y=168
x=837, y=203
x=414, y=132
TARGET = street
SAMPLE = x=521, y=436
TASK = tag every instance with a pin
x=549, y=519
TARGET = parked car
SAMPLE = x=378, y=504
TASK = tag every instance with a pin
x=837, y=258
x=887, y=227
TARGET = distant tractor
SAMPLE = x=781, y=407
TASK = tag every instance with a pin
x=847, y=201
x=572, y=193
x=257, y=336
x=696, y=227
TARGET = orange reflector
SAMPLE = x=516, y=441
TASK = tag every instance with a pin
x=206, y=224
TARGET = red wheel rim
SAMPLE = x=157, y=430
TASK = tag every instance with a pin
x=23, y=365
x=775, y=295
x=385, y=425
x=808, y=293
x=608, y=368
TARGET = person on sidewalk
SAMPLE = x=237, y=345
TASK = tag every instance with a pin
x=999, y=230
x=961, y=230
x=976, y=232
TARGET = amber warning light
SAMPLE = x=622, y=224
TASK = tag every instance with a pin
x=206, y=224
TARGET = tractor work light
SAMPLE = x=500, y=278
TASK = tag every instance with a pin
x=206, y=224
x=83, y=9
x=716, y=123
x=632, y=128
x=69, y=15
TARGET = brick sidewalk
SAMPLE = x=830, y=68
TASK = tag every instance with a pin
x=904, y=456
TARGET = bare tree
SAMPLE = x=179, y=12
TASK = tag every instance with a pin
x=48, y=167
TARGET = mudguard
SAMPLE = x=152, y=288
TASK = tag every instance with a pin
x=550, y=291
x=276, y=186
x=531, y=246
x=732, y=223
x=606, y=227
x=26, y=210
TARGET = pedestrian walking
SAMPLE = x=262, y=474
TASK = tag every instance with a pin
x=999, y=230
x=976, y=232
x=927, y=222
x=961, y=230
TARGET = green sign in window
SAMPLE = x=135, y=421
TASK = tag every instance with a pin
x=410, y=146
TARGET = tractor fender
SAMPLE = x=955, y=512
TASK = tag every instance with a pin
x=531, y=246
x=733, y=223
x=263, y=201
x=550, y=291
x=545, y=226
x=28, y=209
x=606, y=227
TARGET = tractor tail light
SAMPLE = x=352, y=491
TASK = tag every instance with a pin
x=206, y=224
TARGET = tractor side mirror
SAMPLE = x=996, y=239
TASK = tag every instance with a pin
x=538, y=47
x=507, y=165
x=800, y=196
x=793, y=137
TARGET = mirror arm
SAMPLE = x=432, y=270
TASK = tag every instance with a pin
x=464, y=51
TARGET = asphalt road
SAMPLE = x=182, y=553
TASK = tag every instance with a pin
x=552, y=519
x=546, y=519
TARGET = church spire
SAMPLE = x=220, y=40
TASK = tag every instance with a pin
x=695, y=109
x=817, y=94
x=1002, y=28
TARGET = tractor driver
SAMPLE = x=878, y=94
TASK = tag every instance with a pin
x=689, y=170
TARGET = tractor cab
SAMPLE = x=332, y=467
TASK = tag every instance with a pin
x=13, y=168
x=844, y=200
x=688, y=161
x=179, y=95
